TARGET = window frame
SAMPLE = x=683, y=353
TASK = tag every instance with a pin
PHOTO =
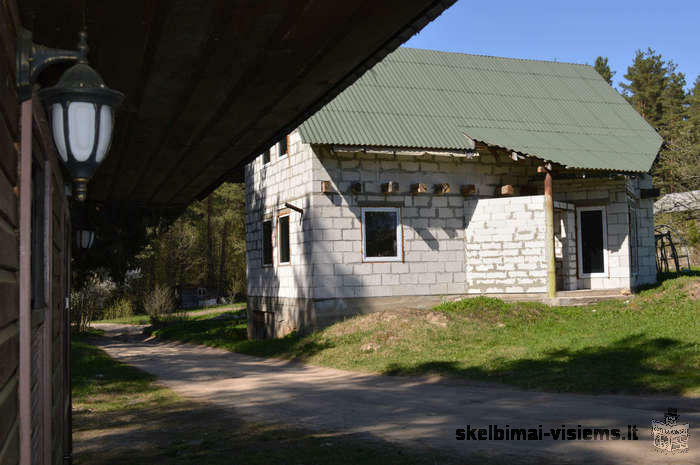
x=282, y=155
x=579, y=242
x=267, y=152
x=279, y=238
x=271, y=244
x=399, y=235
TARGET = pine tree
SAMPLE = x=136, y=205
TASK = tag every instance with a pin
x=693, y=113
x=673, y=104
x=647, y=80
x=601, y=65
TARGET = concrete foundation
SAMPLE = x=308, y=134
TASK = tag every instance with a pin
x=270, y=317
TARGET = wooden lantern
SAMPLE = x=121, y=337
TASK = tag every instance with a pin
x=390, y=187
x=468, y=189
x=507, y=190
x=441, y=189
x=419, y=188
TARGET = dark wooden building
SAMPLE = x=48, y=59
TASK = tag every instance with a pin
x=208, y=84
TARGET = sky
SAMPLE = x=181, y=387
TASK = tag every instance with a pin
x=572, y=31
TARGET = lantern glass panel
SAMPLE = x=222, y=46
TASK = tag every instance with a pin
x=81, y=129
x=105, y=132
x=85, y=238
x=57, y=127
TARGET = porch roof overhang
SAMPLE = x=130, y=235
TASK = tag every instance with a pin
x=210, y=84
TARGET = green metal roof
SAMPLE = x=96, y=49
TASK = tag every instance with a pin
x=560, y=112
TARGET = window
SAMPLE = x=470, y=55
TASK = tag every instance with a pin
x=283, y=147
x=267, y=243
x=38, y=237
x=381, y=236
x=283, y=237
x=266, y=157
x=592, y=242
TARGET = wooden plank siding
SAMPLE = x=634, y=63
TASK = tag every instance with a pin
x=48, y=383
x=9, y=247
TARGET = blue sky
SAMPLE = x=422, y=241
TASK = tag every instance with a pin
x=572, y=31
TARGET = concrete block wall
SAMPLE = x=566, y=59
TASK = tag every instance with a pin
x=505, y=245
x=434, y=261
x=279, y=290
x=612, y=194
x=645, y=246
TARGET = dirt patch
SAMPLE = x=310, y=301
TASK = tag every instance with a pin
x=388, y=319
x=693, y=289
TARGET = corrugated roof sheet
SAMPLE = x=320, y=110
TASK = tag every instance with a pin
x=560, y=112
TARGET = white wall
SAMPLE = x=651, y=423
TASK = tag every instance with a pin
x=433, y=225
x=268, y=188
x=505, y=245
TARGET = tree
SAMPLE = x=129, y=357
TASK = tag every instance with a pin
x=693, y=112
x=674, y=105
x=601, y=65
x=647, y=78
x=657, y=91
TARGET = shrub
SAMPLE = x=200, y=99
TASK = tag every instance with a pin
x=160, y=307
x=121, y=307
x=87, y=301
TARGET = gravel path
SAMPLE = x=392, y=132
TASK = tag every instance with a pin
x=416, y=411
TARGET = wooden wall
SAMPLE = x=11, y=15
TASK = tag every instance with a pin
x=49, y=376
x=9, y=240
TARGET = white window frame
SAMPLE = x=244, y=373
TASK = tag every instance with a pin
x=579, y=248
x=269, y=152
x=399, y=235
x=279, y=239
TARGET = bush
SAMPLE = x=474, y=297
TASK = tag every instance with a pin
x=160, y=307
x=121, y=307
x=87, y=301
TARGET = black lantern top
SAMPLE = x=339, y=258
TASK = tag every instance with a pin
x=81, y=108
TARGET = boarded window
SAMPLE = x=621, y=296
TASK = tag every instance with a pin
x=283, y=237
x=592, y=241
x=267, y=242
x=381, y=234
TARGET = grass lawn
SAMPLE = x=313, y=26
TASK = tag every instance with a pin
x=649, y=343
x=192, y=314
x=121, y=416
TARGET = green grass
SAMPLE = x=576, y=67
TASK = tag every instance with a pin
x=647, y=344
x=121, y=416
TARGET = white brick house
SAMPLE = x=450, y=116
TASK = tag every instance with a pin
x=350, y=214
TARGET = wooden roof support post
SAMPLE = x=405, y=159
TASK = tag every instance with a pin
x=25, y=311
x=549, y=233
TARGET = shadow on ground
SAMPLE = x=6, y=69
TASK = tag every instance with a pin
x=626, y=366
x=123, y=417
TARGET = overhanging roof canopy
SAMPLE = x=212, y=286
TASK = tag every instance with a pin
x=209, y=84
x=560, y=112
